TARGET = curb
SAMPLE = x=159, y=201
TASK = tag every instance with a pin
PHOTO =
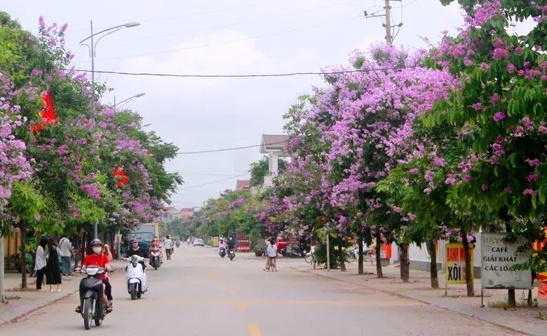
x=409, y=297
x=34, y=309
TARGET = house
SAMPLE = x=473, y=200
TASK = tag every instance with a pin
x=169, y=213
x=186, y=213
x=275, y=145
x=243, y=184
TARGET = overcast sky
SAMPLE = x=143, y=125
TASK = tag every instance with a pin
x=224, y=37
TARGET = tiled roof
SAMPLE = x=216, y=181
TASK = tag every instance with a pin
x=243, y=184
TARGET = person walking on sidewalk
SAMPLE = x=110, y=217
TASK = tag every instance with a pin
x=53, y=269
x=40, y=263
x=66, y=255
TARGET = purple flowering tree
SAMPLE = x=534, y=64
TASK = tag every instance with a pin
x=61, y=173
x=498, y=113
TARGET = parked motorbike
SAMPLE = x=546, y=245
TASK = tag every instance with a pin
x=295, y=252
x=135, y=277
x=155, y=260
x=231, y=254
x=91, y=296
x=222, y=252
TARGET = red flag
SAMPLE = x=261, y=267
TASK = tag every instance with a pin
x=48, y=114
x=120, y=176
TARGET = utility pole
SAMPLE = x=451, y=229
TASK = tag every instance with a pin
x=389, y=36
x=388, y=24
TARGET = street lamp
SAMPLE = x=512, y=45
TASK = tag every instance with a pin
x=138, y=95
x=92, y=46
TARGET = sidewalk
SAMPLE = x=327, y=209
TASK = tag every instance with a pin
x=21, y=303
x=525, y=320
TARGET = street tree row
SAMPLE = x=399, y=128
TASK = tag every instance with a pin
x=413, y=147
x=67, y=159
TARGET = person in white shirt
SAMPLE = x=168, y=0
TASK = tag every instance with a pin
x=65, y=252
x=168, y=246
x=271, y=252
x=40, y=263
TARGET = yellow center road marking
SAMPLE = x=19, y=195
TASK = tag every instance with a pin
x=254, y=330
x=232, y=292
x=242, y=306
x=215, y=276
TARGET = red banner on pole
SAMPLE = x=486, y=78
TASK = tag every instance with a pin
x=48, y=114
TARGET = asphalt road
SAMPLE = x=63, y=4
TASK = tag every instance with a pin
x=198, y=293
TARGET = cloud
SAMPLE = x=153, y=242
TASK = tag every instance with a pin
x=224, y=52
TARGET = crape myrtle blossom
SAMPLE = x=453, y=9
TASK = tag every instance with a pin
x=89, y=143
x=370, y=116
x=500, y=107
x=14, y=166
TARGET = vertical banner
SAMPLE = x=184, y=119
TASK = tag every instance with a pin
x=455, y=270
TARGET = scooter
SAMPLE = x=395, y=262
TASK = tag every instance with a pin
x=222, y=252
x=91, y=296
x=155, y=260
x=136, y=277
x=231, y=254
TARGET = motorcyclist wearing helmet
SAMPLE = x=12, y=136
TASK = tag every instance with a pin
x=136, y=250
x=222, y=245
x=156, y=244
x=98, y=258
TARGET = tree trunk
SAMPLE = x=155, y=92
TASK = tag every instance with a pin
x=404, y=262
x=341, y=255
x=434, y=276
x=379, y=273
x=511, y=295
x=360, y=259
x=2, y=297
x=468, y=266
x=23, y=252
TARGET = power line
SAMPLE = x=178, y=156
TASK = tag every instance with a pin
x=207, y=174
x=237, y=23
x=213, y=182
x=236, y=40
x=282, y=74
x=228, y=149
x=194, y=14
x=215, y=11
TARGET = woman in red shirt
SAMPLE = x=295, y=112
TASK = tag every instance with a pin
x=98, y=258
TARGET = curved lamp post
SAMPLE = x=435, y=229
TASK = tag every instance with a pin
x=138, y=95
x=92, y=47
x=93, y=44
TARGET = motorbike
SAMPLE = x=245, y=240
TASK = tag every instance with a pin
x=231, y=254
x=155, y=260
x=222, y=252
x=136, y=277
x=295, y=252
x=91, y=296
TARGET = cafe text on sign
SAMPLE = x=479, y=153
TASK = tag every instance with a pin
x=455, y=272
x=497, y=260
